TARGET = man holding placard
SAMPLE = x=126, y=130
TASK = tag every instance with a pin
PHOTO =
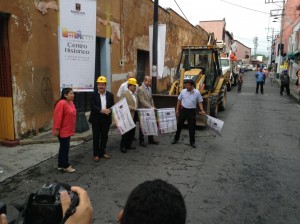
x=186, y=110
x=146, y=102
x=132, y=102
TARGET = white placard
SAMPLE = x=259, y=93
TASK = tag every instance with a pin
x=122, y=116
x=215, y=124
x=147, y=121
x=166, y=120
x=77, y=38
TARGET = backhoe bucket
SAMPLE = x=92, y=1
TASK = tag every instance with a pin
x=167, y=101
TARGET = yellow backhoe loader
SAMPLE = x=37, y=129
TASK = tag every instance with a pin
x=202, y=64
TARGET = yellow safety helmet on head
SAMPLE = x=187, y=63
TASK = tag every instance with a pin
x=132, y=81
x=101, y=79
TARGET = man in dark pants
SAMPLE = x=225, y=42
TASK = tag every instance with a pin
x=260, y=79
x=240, y=80
x=186, y=109
x=100, y=118
x=145, y=101
x=285, y=82
x=132, y=102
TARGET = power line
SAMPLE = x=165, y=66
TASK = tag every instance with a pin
x=186, y=18
x=244, y=7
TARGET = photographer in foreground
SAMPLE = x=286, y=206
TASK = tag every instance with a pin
x=150, y=202
x=83, y=213
x=3, y=219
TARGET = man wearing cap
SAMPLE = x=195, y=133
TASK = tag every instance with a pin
x=123, y=86
x=132, y=102
x=100, y=117
x=285, y=82
x=145, y=101
x=186, y=110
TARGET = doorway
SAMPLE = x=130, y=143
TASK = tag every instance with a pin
x=6, y=101
x=143, y=68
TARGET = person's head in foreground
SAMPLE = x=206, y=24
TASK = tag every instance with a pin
x=154, y=202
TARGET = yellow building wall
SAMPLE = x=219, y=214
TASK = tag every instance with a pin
x=33, y=41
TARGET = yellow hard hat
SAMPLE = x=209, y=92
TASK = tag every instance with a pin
x=132, y=81
x=101, y=79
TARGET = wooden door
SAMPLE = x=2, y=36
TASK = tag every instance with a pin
x=6, y=100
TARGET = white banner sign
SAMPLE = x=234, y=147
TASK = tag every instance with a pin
x=161, y=45
x=122, y=116
x=215, y=124
x=148, y=121
x=77, y=38
x=166, y=120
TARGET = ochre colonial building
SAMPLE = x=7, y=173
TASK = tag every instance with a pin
x=29, y=63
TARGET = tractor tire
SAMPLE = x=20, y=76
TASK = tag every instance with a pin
x=223, y=102
x=235, y=79
x=228, y=85
x=214, y=106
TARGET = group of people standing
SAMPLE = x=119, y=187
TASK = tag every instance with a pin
x=284, y=81
x=101, y=108
x=102, y=101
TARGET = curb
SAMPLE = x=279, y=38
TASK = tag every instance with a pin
x=54, y=140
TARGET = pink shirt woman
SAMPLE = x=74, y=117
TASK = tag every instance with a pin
x=64, y=127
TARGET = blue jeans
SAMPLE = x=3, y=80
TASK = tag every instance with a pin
x=63, y=153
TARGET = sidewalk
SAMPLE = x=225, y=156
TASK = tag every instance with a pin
x=33, y=151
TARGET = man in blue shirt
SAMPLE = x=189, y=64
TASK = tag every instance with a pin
x=186, y=109
x=260, y=79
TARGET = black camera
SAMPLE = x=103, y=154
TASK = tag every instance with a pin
x=44, y=207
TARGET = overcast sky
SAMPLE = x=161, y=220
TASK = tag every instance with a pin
x=244, y=18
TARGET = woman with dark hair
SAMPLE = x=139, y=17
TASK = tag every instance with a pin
x=64, y=127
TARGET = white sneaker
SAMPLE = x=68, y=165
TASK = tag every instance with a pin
x=69, y=169
x=61, y=168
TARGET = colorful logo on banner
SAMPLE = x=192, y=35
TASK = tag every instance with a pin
x=77, y=44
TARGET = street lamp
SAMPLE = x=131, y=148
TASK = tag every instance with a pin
x=276, y=19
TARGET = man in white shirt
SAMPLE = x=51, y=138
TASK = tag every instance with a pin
x=123, y=87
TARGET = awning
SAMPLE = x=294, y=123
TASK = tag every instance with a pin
x=294, y=54
x=291, y=55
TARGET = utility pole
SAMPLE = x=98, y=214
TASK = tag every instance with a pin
x=281, y=34
x=272, y=50
x=154, y=46
x=280, y=50
x=271, y=47
x=255, y=39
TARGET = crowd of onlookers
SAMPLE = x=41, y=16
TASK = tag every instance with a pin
x=262, y=73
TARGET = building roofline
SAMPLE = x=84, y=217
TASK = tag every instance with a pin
x=218, y=20
x=242, y=44
x=170, y=9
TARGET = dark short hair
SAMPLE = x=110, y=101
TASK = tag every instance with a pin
x=190, y=81
x=154, y=202
x=64, y=91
